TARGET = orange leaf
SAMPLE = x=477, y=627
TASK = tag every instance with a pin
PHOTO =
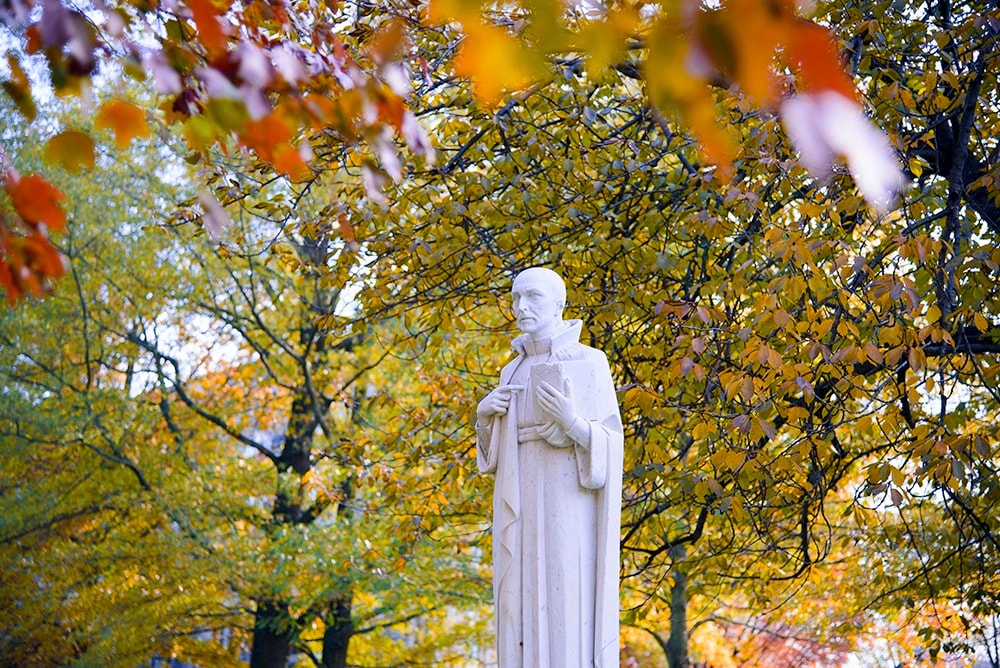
x=72, y=149
x=288, y=160
x=209, y=28
x=7, y=281
x=7, y=272
x=388, y=42
x=347, y=230
x=756, y=43
x=42, y=257
x=812, y=50
x=716, y=140
x=123, y=118
x=265, y=135
x=26, y=263
x=37, y=201
x=495, y=61
x=673, y=87
x=391, y=108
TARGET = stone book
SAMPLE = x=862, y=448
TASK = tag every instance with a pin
x=581, y=380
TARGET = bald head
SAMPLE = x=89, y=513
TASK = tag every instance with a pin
x=539, y=296
x=542, y=276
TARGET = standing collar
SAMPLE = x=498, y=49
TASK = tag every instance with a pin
x=568, y=335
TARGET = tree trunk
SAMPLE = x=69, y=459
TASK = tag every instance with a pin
x=339, y=629
x=677, y=645
x=273, y=636
x=275, y=633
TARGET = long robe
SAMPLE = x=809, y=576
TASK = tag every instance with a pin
x=556, y=518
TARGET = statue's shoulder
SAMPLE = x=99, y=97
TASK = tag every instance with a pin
x=513, y=361
x=583, y=352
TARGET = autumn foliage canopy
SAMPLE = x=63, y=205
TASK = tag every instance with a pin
x=243, y=73
x=256, y=258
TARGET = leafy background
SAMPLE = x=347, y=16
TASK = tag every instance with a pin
x=256, y=259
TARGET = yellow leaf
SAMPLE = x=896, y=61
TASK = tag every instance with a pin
x=821, y=328
x=898, y=477
x=668, y=82
x=734, y=460
x=603, y=46
x=444, y=11
x=604, y=41
x=199, y=132
x=718, y=459
x=763, y=354
x=124, y=119
x=72, y=149
x=702, y=429
x=230, y=114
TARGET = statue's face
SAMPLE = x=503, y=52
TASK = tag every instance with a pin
x=537, y=305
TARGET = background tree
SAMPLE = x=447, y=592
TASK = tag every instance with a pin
x=210, y=442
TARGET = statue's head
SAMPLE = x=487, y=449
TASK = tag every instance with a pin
x=539, y=296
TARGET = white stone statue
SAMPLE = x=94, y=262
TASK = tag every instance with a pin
x=552, y=434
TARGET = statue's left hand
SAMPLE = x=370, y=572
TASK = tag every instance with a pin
x=554, y=434
x=558, y=404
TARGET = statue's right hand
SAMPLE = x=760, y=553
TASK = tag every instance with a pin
x=496, y=402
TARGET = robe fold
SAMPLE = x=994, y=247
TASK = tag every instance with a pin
x=556, y=516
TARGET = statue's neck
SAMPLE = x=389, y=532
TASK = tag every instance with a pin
x=567, y=334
